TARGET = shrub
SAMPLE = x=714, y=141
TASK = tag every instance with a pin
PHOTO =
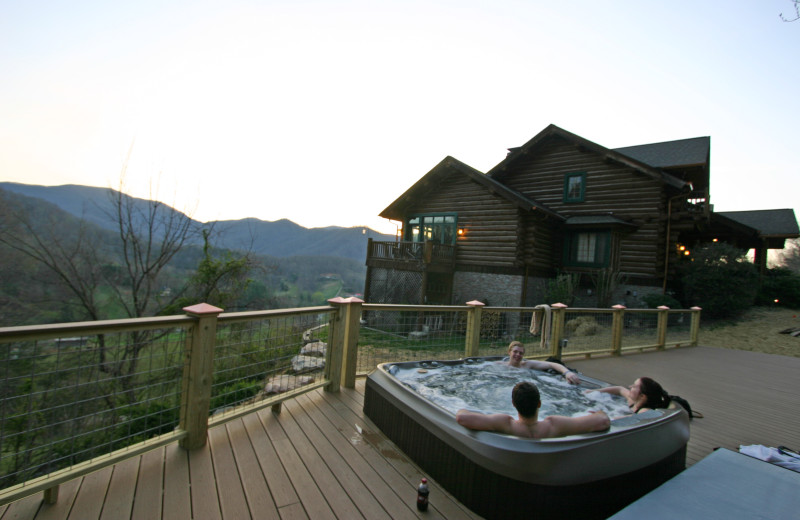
x=780, y=286
x=146, y=420
x=606, y=281
x=655, y=300
x=235, y=393
x=582, y=326
x=561, y=289
x=719, y=279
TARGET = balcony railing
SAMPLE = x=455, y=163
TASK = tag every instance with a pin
x=77, y=397
x=420, y=255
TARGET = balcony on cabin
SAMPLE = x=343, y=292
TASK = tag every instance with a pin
x=697, y=204
x=411, y=256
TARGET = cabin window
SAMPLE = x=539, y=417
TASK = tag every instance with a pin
x=439, y=228
x=574, y=187
x=587, y=248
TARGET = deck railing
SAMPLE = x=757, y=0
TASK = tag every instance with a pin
x=77, y=397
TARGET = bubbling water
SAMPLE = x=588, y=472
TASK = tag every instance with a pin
x=486, y=387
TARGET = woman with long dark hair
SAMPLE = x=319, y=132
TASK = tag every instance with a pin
x=644, y=394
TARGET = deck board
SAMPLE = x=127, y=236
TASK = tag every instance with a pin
x=177, y=496
x=321, y=458
x=255, y=487
x=147, y=501
x=205, y=505
x=329, y=485
x=94, y=484
x=283, y=494
x=232, y=501
x=61, y=509
x=310, y=496
x=361, y=468
x=340, y=470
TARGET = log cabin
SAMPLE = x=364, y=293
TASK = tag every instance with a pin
x=560, y=204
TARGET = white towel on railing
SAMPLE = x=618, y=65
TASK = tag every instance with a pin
x=545, y=311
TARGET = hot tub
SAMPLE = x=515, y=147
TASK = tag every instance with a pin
x=502, y=476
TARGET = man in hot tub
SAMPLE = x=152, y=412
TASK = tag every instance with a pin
x=525, y=398
x=516, y=358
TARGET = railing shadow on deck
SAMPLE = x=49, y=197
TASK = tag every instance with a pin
x=78, y=397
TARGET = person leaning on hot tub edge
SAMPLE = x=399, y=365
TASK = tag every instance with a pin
x=516, y=358
x=525, y=398
x=644, y=394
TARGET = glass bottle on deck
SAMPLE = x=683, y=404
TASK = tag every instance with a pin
x=422, y=495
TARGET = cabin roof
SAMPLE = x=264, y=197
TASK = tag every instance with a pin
x=770, y=223
x=397, y=209
x=670, y=154
x=519, y=153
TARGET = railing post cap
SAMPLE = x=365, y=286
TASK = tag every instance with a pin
x=351, y=299
x=559, y=305
x=663, y=307
x=695, y=308
x=618, y=306
x=476, y=303
x=202, y=309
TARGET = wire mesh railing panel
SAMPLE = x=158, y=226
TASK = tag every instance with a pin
x=410, y=335
x=679, y=328
x=68, y=400
x=639, y=328
x=502, y=326
x=587, y=330
x=395, y=285
x=257, y=359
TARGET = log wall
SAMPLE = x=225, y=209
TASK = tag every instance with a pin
x=491, y=223
x=611, y=188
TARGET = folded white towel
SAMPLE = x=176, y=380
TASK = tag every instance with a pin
x=784, y=459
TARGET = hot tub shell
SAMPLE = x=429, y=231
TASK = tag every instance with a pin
x=502, y=476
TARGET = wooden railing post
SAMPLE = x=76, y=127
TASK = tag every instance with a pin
x=473, y=341
x=695, y=326
x=198, y=375
x=343, y=347
x=661, y=327
x=558, y=315
x=618, y=318
x=427, y=253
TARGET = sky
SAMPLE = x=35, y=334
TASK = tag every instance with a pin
x=324, y=112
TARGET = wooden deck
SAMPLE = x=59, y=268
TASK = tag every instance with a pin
x=320, y=458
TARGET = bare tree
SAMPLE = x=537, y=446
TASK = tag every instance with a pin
x=90, y=262
x=70, y=249
x=790, y=256
x=151, y=234
x=796, y=5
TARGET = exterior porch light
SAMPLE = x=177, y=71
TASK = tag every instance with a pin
x=461, y=231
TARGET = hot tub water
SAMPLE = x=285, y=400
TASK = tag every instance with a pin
x=486, y=386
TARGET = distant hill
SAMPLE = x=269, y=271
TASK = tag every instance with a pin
x=281, y=238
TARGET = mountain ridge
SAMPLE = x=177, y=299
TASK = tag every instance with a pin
x=279, y=238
